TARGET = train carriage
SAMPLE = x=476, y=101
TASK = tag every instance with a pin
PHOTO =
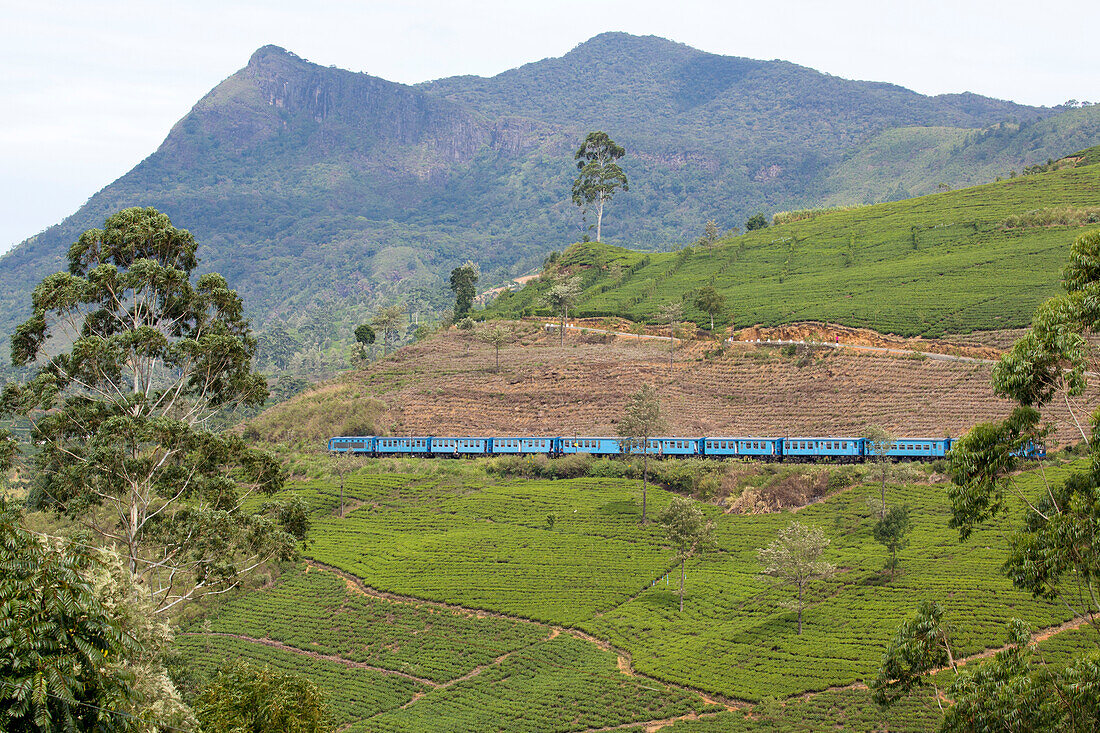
x=730, y=447
x=351, y=444
x=460, y=446
x=844, y=450
x=412, y=445
x=677, y=446
x=912, y=449
x=590, y=445
x=521, y=446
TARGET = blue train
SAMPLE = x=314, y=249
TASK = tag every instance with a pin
x=807, y=449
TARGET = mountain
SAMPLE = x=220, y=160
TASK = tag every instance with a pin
x=304, y=183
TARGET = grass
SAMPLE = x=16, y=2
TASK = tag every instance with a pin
x=938, y=264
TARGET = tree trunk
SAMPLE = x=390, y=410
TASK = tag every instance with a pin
x=682, y=561
x=671, y=343
x=498, y=358
x=599, y=218
x=645, y=472
x=712, y=323
x=800, y=609
x=341, y=494
x=564, y=317
x=882, y=510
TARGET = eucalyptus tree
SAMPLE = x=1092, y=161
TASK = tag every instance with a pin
x=122, y=406
x=793, y=559
x=496, y=337
x=688, y=531
x=710, y=301
x=600, y=175
x=559, y=297
x=641, y=419
x=671, y=312
x=880, y=442
x=892, y=533
x=388, y=322
x=920, y=646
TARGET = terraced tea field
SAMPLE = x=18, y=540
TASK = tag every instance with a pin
x=493, y=548
x=734, y=639
x=932, y=265
x=457, y=607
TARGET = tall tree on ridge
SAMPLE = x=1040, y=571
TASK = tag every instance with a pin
x=600, y=176
x=388, y=323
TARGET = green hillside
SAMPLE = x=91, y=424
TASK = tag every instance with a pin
x=445, y=600
x=977, y=258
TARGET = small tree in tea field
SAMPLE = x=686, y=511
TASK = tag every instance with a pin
x=793, y=559
x=688, y=531
x=891, y=531
x=641, y=419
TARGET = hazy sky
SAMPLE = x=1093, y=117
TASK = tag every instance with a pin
x=91, y=87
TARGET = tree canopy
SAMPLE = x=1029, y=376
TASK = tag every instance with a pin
x=463, y=281
x=688, y=531
x=388, y=322
x=710, y=301
x=80, y=651
x=793, y=558
x=121, y=418
x=756, y=221
x=246, y=697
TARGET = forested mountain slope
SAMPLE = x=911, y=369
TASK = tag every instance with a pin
x=303, y=182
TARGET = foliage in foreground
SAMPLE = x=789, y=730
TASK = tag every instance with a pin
x=1055, y=554
x=120, y=420
x=244, y=697
x=79, y=651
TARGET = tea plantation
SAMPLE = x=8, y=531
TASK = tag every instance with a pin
x=521, y=563
x=353, y=694
x=945, y=263
x=316, y=611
